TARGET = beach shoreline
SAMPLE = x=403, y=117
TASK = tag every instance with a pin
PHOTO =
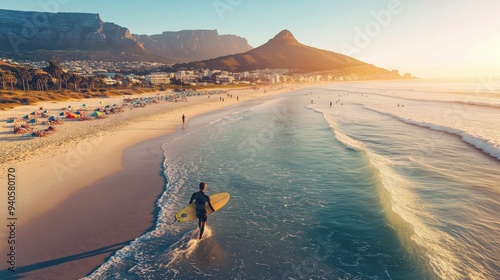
x=51, y=178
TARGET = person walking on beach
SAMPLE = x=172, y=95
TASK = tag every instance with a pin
x=183, y=118
x=201, y=199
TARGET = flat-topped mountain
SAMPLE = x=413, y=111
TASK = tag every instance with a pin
x=193, y=45
x=84, y=36
x=43, y=36
x=285, y=52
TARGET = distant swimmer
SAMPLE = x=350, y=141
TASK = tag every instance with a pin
x=201, y=199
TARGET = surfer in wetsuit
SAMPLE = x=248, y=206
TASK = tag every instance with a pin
x=200, y=199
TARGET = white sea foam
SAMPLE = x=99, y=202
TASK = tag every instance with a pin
x=488, y=146
x=406, y=212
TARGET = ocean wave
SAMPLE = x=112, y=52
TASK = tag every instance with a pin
x=488, y=146
x=131, y=257
x=405, y=212
x=471, y=98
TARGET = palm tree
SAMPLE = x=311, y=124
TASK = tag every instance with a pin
x=55, y=71
x=76, y=80
x=6, y=77
x=3, y=79
x=25, y=76
x=11, y=79
x=100, y=80
x=119, y=79
x=42, y=80
x=64, y=78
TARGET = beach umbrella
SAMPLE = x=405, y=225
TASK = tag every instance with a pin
x=61, y=114
x=33, y=113
x=10, y=120
x=26, y=117
x=46, y=111
x=33, y=121
x=107, y=106
x=71, y=116
x=96, y=114
x=77, y=113
x=83, y=105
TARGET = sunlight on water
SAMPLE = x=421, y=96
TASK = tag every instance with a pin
x=366, y=189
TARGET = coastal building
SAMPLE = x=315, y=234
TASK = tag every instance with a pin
x=225, y=79
x=109, y=81
x=158, y=78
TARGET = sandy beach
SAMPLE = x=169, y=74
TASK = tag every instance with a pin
x=78, y=195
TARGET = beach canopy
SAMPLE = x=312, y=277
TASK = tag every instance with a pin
x=10, y=120
x=97, y=114
x=33, y=121
x=71, y=116
x=54, y=118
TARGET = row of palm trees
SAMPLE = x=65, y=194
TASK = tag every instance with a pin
x=51, y=77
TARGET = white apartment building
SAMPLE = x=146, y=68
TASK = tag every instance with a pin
x=224, y=79
x=158, y=78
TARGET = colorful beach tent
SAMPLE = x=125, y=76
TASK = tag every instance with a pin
x=71, y=116
x=97, y=114
x=54, y=118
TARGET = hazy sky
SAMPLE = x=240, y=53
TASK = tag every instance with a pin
x=426, y=37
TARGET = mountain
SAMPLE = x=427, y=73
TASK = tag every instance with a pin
x=193, y=45
x=72, y=36
x=84, y=36
x=285, y=52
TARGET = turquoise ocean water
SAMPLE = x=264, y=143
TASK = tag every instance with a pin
x=396, y=180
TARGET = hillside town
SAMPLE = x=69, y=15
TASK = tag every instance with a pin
x=152, y=74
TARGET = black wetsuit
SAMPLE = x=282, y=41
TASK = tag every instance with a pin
x=200, y=199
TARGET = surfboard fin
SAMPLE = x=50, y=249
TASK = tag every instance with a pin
x=175, y=220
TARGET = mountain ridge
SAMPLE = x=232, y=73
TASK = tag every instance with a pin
x=67, y=36
x=283, y=51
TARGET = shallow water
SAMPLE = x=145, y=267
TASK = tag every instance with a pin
x=375, y=187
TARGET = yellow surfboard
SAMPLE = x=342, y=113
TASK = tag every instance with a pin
x=188, y=213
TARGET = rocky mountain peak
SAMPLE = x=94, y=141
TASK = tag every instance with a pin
x=284, y=36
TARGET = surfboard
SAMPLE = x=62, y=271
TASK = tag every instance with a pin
x=188, y=213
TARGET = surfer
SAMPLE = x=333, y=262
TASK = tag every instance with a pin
x=200, y=199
